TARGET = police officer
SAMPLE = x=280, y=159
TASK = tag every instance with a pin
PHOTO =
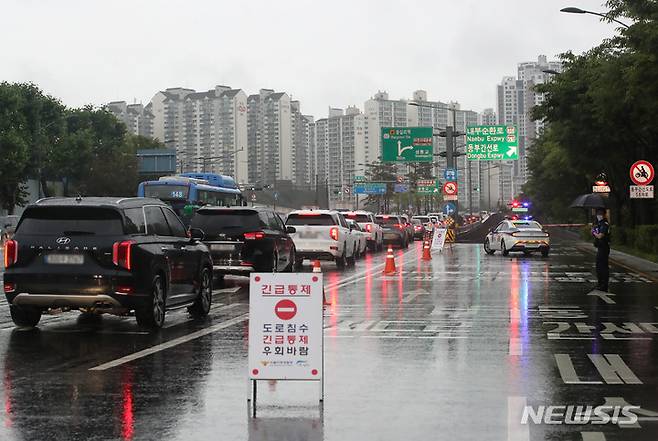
x=601, y=233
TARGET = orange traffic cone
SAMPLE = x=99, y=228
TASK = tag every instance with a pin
x=390, y=262
x=427, y=255
x=317, y=268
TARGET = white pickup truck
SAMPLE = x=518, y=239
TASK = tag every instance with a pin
x=322, y=235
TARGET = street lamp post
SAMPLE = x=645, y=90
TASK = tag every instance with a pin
x=572, y=10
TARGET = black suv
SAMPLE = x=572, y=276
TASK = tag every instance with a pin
x=242, y=240
x=105, y=255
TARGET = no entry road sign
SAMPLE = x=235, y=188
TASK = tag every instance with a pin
x=285, y=309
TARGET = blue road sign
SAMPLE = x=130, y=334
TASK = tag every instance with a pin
x=369, y=188
x=449, y=208
x=450, y=174
x=401, y=188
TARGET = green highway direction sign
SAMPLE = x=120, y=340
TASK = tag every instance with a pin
x=492, y=143
x=359, y=178
x=427, y=186
x=407, y=144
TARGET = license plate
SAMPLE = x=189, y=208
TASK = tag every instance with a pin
x=222, y=247
x=308, y=235
x=65, y=259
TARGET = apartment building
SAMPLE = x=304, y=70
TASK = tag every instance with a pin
x=208, y=129
x=516, y=97
x=137, y=118
x=269, y=127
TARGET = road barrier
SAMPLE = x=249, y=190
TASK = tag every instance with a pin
x=389, y=269
x=427, y=255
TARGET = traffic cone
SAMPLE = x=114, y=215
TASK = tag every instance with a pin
x=390, y=262
x=317, y=268
x=427, y=255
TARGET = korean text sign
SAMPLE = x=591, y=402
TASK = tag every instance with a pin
x=285, y=326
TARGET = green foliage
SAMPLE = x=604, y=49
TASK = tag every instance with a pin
x=87, y=149
x=601, y=114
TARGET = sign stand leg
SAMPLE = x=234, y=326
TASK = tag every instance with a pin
x=322, y=379
x=254, y=383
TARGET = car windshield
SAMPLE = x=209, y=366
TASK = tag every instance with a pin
x=387, y=220
x=314, y=219
x=214, y=222
x=166, y=192
x=357, y=217
x=527, y=225
x=422, y=219
x=71, y=221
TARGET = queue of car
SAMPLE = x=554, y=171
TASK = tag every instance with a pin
x=134, y=256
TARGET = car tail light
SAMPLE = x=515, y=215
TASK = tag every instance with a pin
x=417, y=227
x=125, y=289
x=333, y=232
x=255, y=235
x=11, y=253
x=398, y=226
x=368, y=228
x=122, y=254
x=10, y=287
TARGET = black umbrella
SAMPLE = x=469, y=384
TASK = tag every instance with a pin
x=592, y=200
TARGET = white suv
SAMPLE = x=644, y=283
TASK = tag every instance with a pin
x=366, y=220
x=322, y=235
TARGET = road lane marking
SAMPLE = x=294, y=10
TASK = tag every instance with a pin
x=515, y=347
x=613, y=369
x=605, y=296
x=568, y=371
x=362, y=275
x=170, y=344
x=516, y=431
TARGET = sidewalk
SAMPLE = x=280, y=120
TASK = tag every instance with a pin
x=645, y=267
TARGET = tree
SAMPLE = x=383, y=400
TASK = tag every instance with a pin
x=601, y=117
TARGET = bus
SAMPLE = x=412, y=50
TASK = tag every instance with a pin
x=188, y=191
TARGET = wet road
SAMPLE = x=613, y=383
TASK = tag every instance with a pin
x=449, y=349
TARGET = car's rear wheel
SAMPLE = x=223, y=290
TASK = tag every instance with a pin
x=351, y=261
x=545, y=251
x=27, y=316
x=201, y=306
x=487, y=247
x=373, y=246
x=341, y=261
x=152, y=315
x=503, y=248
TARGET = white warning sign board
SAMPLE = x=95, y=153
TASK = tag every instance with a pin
x=439, y=238
x=285, y=326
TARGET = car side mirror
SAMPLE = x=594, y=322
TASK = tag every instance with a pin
x=291, y=230
x=196, y=234
x=492, y=230
x=351, y=227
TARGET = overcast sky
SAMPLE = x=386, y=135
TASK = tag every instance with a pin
x=324, y=53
